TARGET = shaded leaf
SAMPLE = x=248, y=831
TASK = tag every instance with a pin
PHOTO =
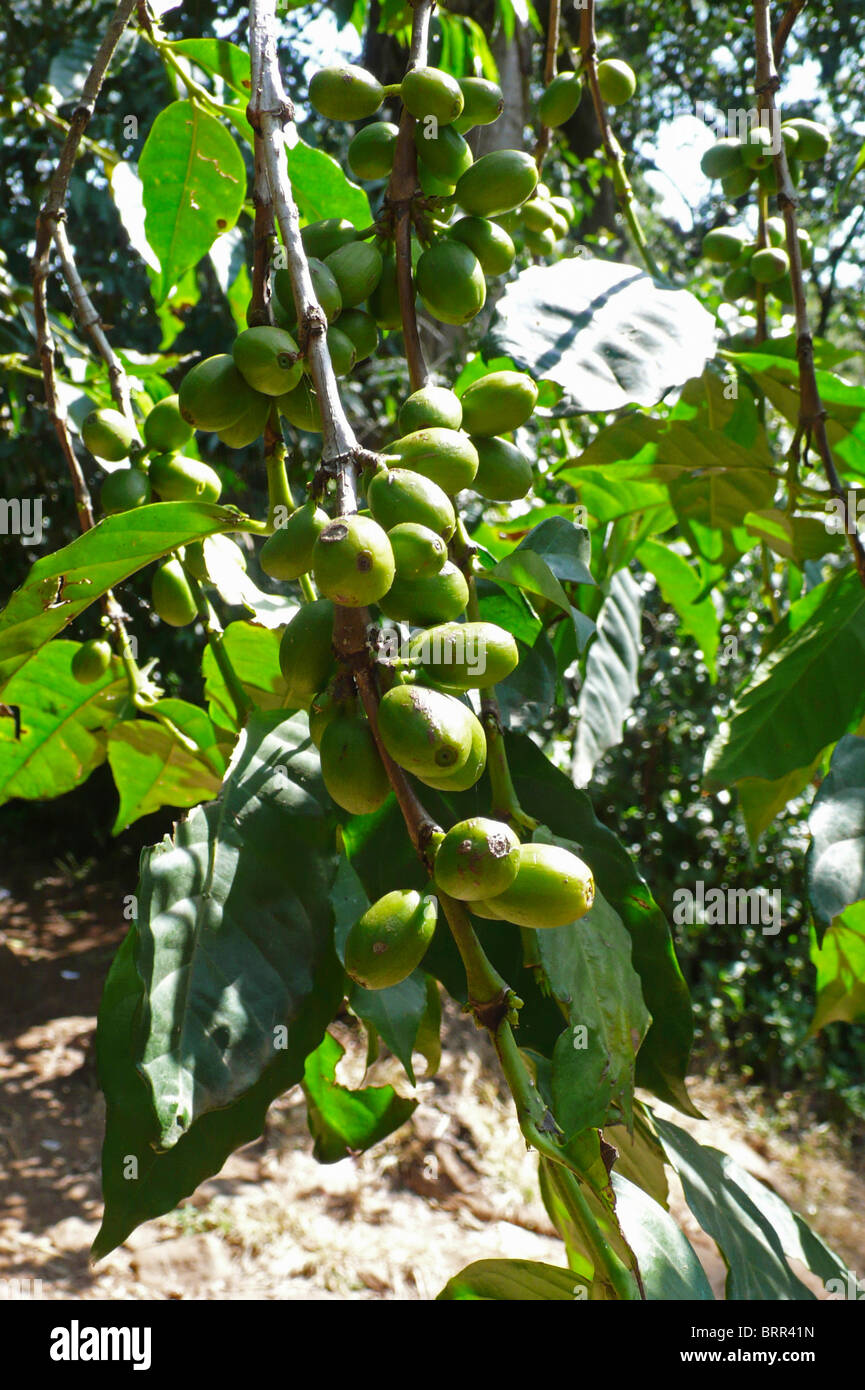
x=836, y=858
x=610, y=683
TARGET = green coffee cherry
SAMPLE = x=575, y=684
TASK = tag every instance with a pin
x=179, y=479
x=491, y=243
x=498, y=403
x=483, y=103
x=268, y=359
x=428, y=91
x=325, y=707
x=320, y=238
x=739, y=284
x=443, y=150
x=384, y=303
x=560, y=99
x=463, y=778
x=465, y=656
x=352, y=561
x=306, y=656
x=450, y=281
x=391, y=939
x=165, y=430
x=342, y=351
x=417, y=551
x=300, y=407
x=722, y=159
x=396, y=494
x=616, y=81
x=769, y=265
x=124, y=490
x=362, y=329
x=424, y=730
x=357, y=269
x=738, y=182
x=477, y=858
x=724, y=244
x=439, y=598
x=757, y=149
x=371, y=152
x=552, y=887
x=351, y=767
x=287, y=554
x=327, y=291
x=214, y=395
x=447, y=457
x=108, y=435
x=91, y=661
x=171, y=596
x=250, y=425
x=538, y=215
x=541, y=243
x=776, y=231
x=431, y=185
x=431, y=407
x=504, y=473
x=497, y=182
x=813, y=139
x=345, y=92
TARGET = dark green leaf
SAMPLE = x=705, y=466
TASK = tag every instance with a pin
x=610, y=682
x=668, y=1266
x=235, y=926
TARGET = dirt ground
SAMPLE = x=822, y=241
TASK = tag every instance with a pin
x=454, y=1185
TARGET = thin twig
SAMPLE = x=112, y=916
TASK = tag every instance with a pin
x=91, y=322
x=782, y=33
x=554, y=22
x=812, y=412
x=612, y=149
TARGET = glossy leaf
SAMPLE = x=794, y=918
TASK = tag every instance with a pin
x=321, y=189
x=194, y=185
x=783, y=718
x=610, y=682
x=60, y=586
x=520, y=1281
x=254, y=653
x=223, y=562
x=836, y=857
x=235, y=926
x=604, y=332
x=152, y=767
x=63, y=724
x=341, y=1121
x=669, y=1268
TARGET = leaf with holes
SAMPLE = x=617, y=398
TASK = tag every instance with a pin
x=605, y=333
x=193, y=184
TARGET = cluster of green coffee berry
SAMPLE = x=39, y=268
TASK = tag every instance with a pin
x=738, y=163
x=479, y=862
x=749, y=264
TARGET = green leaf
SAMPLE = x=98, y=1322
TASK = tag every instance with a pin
x=341, y=1121
x=528, y=694
x=322, y=190
x=140, y=1182
x=530, y=572
x=610, y=682
x=223, y=562
x=235, y=926
x=153, y=768
x=588, y=965
x=797, y=538
x=840, y=962
x=63, y=724
x=604, y=332
x=836, y=858
x=782, y=718
x=721, y=1196
x=518, y=1281
x=545, y=792
x=60, y=586
x=254, y=653
x=640, y=1157
x=565, y=546
x=680, y=587
x=760, y=800
x=194, y=186
x=668, y=1265
x=218, y=58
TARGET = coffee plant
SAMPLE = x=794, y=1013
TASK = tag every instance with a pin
x=384, y=787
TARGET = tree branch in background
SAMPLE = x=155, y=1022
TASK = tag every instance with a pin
x=545, y=134
x=612, y=149
x=812, y=412
x=91, y=322
x=782, y=33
